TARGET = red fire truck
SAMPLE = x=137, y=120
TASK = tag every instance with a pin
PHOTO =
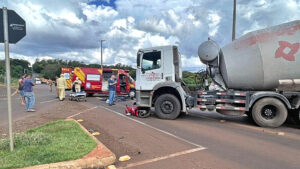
x=95, y=80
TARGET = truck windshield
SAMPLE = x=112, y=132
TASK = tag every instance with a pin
x=151, y=60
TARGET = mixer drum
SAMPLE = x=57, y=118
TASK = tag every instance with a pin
x=259, y=59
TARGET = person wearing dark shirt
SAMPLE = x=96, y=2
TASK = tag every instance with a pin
x=28, y=93
x=20, y=89
x=112, y=89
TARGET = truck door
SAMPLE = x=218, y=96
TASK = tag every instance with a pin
x=123, y=81
x=151, y=70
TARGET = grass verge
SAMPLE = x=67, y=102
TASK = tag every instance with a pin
x=52, y=142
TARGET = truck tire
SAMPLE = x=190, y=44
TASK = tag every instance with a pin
x=269, y=112
x=167, y=106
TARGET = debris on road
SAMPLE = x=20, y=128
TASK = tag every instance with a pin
x=111, y=167
x=280, y=133
x=222, y=121
x=96, y=134
x=124, y=158
x=80, y=120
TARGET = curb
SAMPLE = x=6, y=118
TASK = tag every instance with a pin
x=88, y=161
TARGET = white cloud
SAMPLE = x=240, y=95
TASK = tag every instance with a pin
x=72, y=29
x=214, y=20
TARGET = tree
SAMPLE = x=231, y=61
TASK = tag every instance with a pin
x=17, y=67
x=50, y=71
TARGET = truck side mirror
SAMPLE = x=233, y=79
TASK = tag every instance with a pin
x=138, y=61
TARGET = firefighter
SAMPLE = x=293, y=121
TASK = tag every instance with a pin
x=77, y=85
x=50, y=83
x=61, y=85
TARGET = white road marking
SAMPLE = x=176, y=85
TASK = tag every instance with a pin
x=48, y=101
x=81, y=112
x=15, y=92
x=163, y=157
x=157, y=129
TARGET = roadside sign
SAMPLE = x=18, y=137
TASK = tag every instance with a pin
x=12, y=29
x=16, y=27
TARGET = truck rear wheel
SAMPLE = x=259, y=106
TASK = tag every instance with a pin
x=167, y=106
x=269, y=112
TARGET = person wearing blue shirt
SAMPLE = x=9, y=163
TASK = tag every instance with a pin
x=28, y=93
x=112, y=89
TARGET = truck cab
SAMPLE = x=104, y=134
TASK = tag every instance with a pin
x=158, y=81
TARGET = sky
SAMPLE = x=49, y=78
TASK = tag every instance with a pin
x=72, y=29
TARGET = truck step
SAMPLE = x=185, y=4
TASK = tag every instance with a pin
x=222, y=107
x=222, y=100
x=227, y=93
x=146, y=97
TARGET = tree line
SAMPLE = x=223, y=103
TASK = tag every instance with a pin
x=51, y=68
x=18, y=67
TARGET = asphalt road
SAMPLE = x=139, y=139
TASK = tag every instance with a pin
x=43, y=96
x=228, y=142
x=197, y=140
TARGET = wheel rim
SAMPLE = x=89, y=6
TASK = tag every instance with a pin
x=143, y=113
x=269, y=112
x=131, y=94
x=167, y=107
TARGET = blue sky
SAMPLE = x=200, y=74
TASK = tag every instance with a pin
x=72, y=29
x=110, y=3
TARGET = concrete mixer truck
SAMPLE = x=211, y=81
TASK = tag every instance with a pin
x=257, y=74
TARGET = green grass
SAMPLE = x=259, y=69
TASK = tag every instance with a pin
x=53, y=142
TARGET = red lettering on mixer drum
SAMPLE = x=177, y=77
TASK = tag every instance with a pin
x=287, y=50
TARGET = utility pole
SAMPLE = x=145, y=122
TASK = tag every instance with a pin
x=101, y=53
x=7, y=65
x=233, y=20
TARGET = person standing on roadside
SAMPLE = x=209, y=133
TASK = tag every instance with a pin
x=20, y=89
x=61, y=85
x=112, y=89
x=77, y=85
x=50, y=83
x=28, y=93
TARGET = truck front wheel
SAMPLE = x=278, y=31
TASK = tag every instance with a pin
x=167, y=106
x=269, y=112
